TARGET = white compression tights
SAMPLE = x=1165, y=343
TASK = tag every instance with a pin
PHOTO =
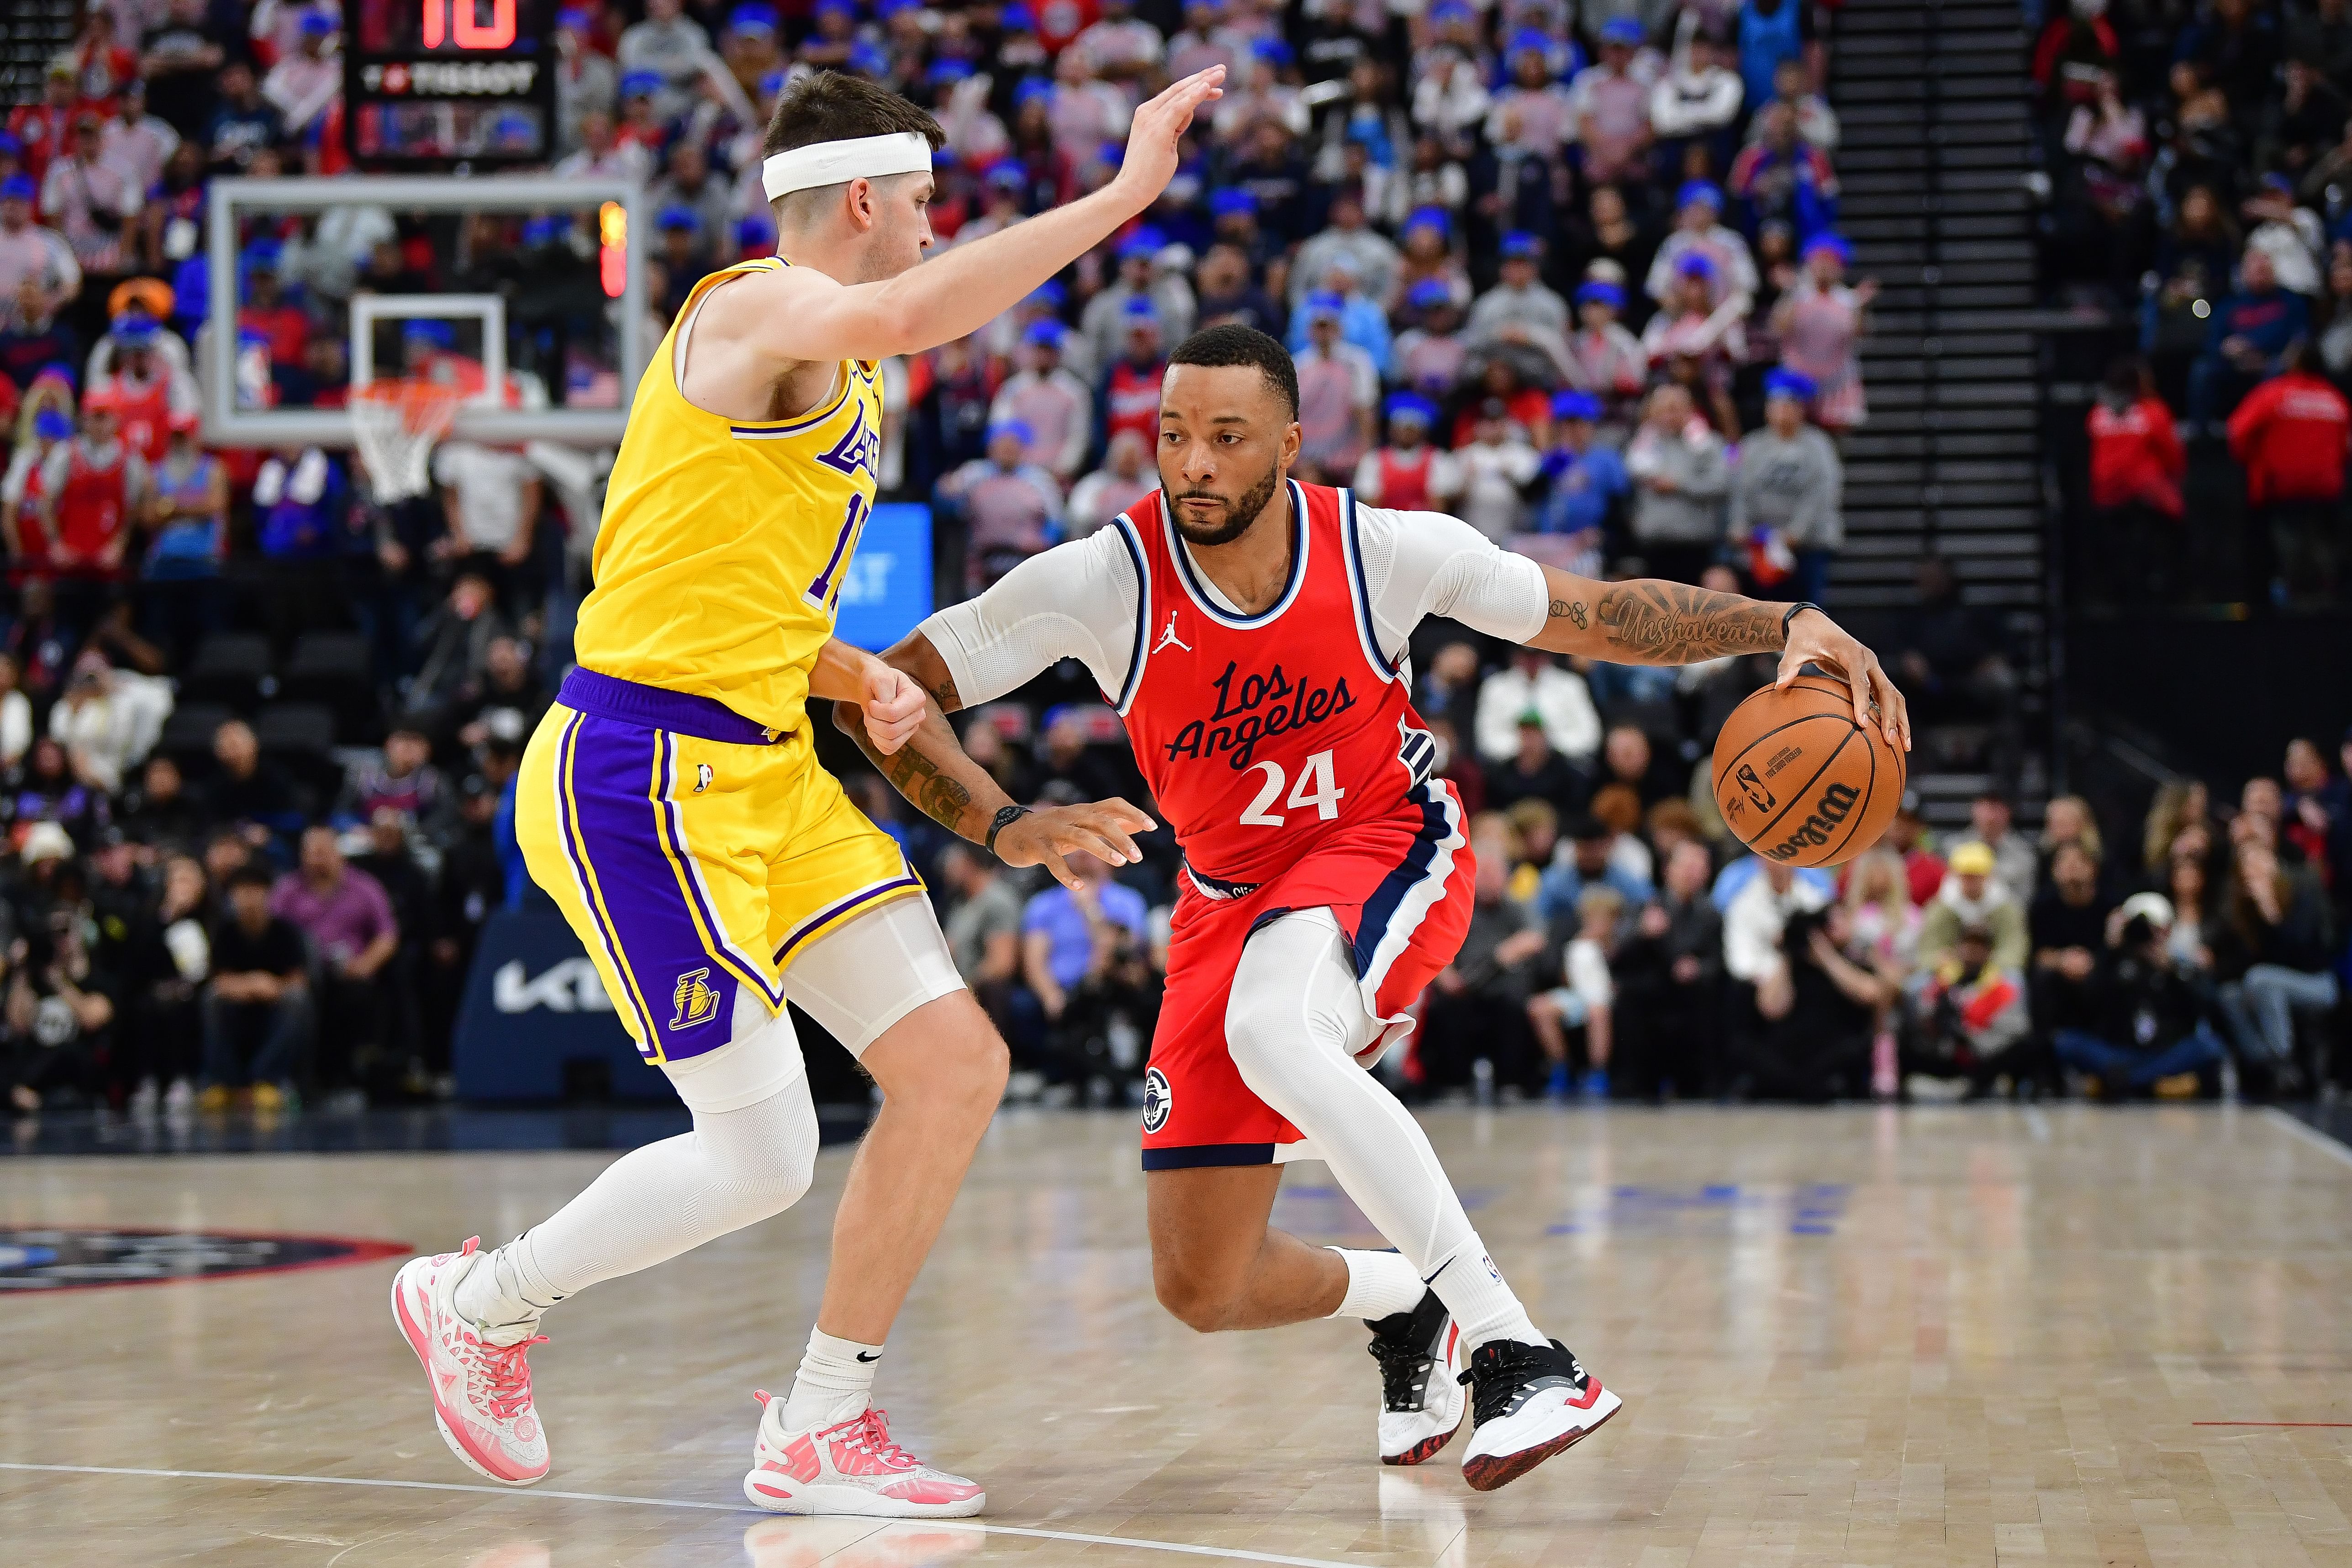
x=1295, y=1022
x=736, y=1168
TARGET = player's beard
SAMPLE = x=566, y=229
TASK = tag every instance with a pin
x=1240, y=514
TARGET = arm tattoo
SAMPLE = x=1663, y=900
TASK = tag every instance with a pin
x=1653, y=622
x=946, y=695
x=1569, y=610
x=939, y=798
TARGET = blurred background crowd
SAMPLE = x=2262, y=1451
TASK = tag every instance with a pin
x=1570, y=269
x=2195, y=161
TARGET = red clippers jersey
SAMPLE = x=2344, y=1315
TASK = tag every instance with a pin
x=1133, y=399
x=144, y=413
x=90, y=506
x=1266, y=737
x=1404, y=482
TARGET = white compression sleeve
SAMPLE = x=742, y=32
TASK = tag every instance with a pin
x=1295, y=1020
x=1423, y=563
x=1075, y=601
x=736, y=1168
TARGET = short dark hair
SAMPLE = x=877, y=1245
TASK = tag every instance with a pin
x=835, y=106
x=1230, y=343
x=251, y=876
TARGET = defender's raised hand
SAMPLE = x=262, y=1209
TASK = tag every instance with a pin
x=1103, y=828
x=1157, y=127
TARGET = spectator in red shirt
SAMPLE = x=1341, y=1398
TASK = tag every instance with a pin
x=2292, y=433
x=2137, y=462
x=40, y=128
x=266, y=310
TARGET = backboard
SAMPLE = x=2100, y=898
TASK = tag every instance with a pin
x=544, y=289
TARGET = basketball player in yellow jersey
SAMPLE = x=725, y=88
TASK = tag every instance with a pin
x=670, y=805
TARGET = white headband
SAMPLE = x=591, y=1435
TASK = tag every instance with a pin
x=831, y=162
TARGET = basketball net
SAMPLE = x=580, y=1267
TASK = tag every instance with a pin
x=394, y=424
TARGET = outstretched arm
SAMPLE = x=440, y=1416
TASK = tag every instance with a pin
x=798, y=315
x=930, y=769
x=1650, y=621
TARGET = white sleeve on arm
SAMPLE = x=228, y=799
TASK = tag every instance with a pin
x=1423, y=563
x=1074, y=601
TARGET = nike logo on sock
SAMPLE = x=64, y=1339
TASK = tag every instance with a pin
x=863, y=1357
x=1431, y=1279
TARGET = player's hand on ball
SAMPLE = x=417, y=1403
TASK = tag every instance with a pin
x=1157, y=127
x=1103, y=828
x=894, y=707
x=1815, y=639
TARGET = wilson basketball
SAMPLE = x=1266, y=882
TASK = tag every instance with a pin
x=1799, y=782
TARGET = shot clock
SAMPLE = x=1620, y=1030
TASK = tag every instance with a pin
x=437, y=85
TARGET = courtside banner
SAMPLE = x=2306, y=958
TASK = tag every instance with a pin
x=536, y=1019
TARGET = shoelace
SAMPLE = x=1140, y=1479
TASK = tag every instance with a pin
x=506, y=1377
x=1497, y=1372
x=872, y=1435
x=1403, y=1373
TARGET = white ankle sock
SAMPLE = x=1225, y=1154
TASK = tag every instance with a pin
x=1380, y=1284
x=835, y=1382
x=1472, y=1289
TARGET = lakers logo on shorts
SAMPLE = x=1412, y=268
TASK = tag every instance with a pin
x=693, y=1001
x=1157, y=1102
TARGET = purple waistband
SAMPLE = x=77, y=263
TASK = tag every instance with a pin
x=705, y=717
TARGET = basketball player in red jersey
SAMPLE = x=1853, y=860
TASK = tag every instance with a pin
x=1252, y=631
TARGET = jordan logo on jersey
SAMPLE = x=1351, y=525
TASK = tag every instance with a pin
x=1168, y=637
x=861, y=448
x=693, y=1000
x=1259, y=707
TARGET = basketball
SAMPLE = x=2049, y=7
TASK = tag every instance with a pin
x=1799, y=782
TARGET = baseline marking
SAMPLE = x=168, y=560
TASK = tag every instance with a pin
x=2309, y=1135
x=2271, y=1423
x=1227, y=1553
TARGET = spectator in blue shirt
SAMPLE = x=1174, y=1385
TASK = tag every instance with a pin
x=2250, y=328
x=1586, y=480
x=1588, y=863
x=1361, y=320
x=1068, y=938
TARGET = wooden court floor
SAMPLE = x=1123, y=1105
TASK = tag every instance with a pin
x=1855, y=1336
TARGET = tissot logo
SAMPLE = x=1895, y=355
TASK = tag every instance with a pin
x=571, y=986
x=1255, y=708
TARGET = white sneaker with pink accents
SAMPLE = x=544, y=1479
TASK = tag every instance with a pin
x=852, y=1467
x=481, y=1393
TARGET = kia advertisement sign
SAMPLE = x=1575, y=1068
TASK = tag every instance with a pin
x=536, y=1023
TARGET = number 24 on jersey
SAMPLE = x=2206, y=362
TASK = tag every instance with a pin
x=1315, y=790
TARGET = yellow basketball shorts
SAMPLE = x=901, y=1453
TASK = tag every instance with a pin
x=693, y=854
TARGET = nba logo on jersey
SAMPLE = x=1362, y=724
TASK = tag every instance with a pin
x=693, y=1000
x=1157, y=1100
x=702, y=777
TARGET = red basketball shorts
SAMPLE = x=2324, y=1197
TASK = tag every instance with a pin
x=1401, y=888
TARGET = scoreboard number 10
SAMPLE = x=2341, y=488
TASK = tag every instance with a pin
x=456, y=20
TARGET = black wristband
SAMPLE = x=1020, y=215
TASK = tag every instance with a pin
x=1795, y=610
x=1005, y=817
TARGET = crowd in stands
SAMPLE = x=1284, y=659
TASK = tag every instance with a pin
x=2196, y=158
x=1569, y=270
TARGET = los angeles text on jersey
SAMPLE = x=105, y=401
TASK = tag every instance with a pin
x=1260, y=707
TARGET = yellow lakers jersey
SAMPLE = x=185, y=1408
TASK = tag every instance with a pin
x=719, y=562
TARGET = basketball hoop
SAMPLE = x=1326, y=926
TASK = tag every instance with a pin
x=394, y=424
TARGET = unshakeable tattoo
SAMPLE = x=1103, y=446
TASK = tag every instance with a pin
x=1672, y=623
